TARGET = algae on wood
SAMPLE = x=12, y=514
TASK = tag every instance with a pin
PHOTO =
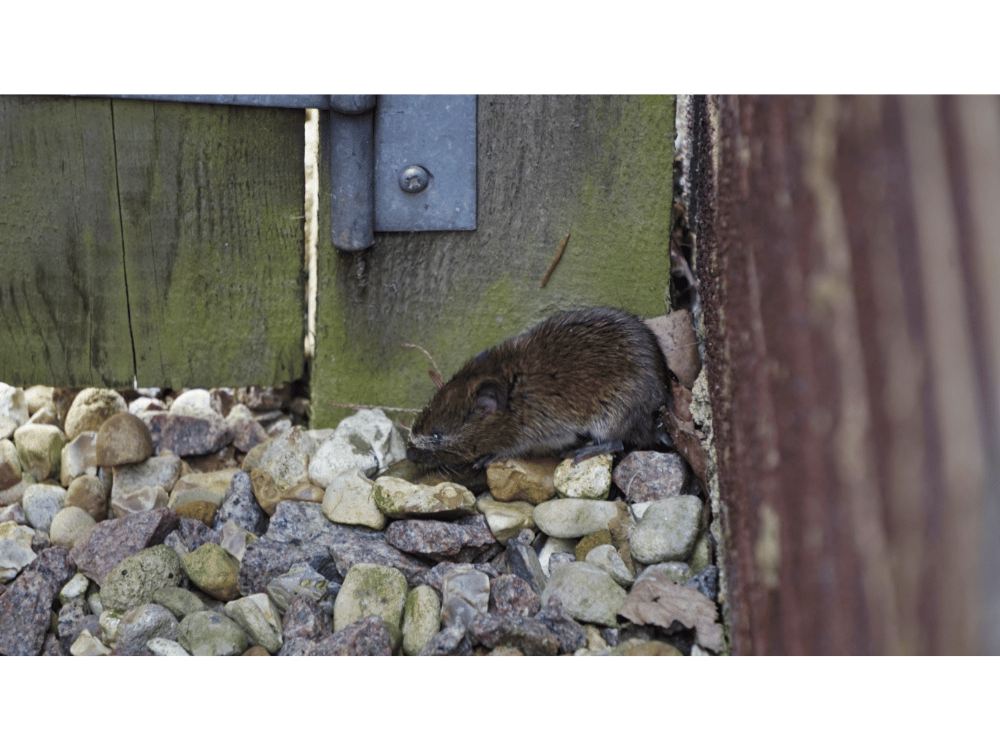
x=599, y=168
x=63, y=311
x=211, y=201
x=186, y=218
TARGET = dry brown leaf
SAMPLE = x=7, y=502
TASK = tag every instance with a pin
x=656, y=600
x=675, y=332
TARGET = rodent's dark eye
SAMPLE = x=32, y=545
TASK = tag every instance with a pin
x=436, y=435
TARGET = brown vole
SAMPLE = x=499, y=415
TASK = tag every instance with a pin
x=593, y=375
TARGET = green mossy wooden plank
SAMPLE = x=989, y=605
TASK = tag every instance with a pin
x=211, y=200
x=63, y=308
x=599, y=168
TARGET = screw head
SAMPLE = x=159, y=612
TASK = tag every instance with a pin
x=414, y=178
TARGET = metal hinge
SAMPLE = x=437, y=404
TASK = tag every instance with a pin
x=398, y=163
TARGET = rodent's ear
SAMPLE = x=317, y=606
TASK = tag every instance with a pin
x=491, y=397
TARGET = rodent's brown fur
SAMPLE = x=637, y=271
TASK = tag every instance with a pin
x=596, y=374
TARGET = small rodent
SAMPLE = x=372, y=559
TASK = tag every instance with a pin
x=596, y=375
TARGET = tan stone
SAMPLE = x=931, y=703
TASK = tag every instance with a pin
x=265, y=490
x=91, y=408
x=69, y=525
x=123, y=439
x=522, y=479
x=198, y=510
x=90, y=494
x=10, y=465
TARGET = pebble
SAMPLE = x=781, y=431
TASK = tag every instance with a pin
x=214, y=571
x=188, y=431
x=606, y=558
x=570, y=518
x=371, y=590
x=69, y=525
x=110, y=542
x=525, y=479
x=87, y=644
x=259, y=618
x=165, y=647
x=133, y=581
x=522, y=561
x=461, y=541
x=365, y=441
x=645, y=476
x=421, y=618
x=293, y=554
x=398, y=498
x=142, y=623
x=15, y=549
x=180, y=602
x=527, y=635
x=285, y=458
x=123, y=439
x=209, y=633
x=13, y=404
x=587, y=592
x=90, y=494
x=300, y=581
x=247, y=432
x=159, y=471
x=349, y=499
x=41, y=503
x=39, y=448
x=10, y=465
x=589, y=480
x=667, y=530
x=139, y=500
x=91, y=408
x=465, y=592
x=78, y=458
x=240, y=506
x=506, y=520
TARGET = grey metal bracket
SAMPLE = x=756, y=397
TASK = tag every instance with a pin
x=398, y=163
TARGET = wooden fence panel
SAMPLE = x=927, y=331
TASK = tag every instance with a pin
x=176, y=229
x=63, y=306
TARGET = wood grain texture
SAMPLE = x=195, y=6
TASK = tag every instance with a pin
x=63, y=310
x=211, y=201
x=177, y=227
x=599, y=168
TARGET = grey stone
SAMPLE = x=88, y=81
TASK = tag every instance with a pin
x=667, y=530
x=241, y=506
x=41, y=503
x=461, y=541
x=522, y=560
x=209, y=633
x=369, y=636
x=366, y=441
x=259, y=618
x=300, y=581
x=645, y=476
x=450, y=641
x=528, y=636
x=133, y=581
x=587, y=592
x=398, y=498
x=606, y=557
x=159, y=471
x=15, y=549
x=180, y=602
x=26, y=606
x=79, y=458
x=69, y=526
x=568, y=632
x=465, y=592
x=285, y=458
x=349, y=499
x=190, y=535
x=140, y=624
x=74, y=618
x=570, y=518
x=508, y=519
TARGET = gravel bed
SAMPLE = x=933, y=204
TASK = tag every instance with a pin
x=214, y=522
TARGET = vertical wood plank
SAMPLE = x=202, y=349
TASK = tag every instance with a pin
x=212, y=212
x=63, y=308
